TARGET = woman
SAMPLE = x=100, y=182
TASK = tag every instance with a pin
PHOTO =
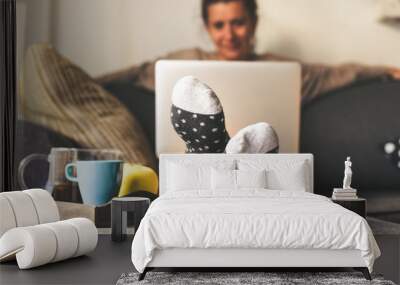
x=231, y=25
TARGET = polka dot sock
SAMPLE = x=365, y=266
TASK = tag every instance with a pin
x=197, y=117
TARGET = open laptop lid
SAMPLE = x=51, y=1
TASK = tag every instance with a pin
x=250, y=92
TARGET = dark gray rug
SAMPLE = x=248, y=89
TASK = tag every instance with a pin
x=269, y=278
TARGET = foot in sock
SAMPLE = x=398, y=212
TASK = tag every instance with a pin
x=197, y=116
x=256, y=138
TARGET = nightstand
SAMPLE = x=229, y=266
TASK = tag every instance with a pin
x=358, y=205
x=119, y=209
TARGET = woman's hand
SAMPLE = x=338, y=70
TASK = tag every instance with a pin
x=394, y=73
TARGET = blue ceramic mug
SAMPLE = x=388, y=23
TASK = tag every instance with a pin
x=98, y=180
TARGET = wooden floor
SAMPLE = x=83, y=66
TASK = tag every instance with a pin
x=103, y=266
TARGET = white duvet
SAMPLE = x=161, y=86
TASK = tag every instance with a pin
x=250, y=219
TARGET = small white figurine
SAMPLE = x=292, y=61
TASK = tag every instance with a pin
x=348, y=173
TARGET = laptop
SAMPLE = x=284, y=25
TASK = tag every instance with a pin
x=249, y=92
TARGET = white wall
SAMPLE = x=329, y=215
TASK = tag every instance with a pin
x=106, y=35
x=329, y=31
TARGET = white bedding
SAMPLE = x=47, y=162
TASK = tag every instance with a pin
x=250, y=219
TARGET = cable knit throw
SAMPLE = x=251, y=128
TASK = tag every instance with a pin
x=58, y=95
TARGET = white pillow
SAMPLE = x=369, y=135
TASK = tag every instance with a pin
x=186, y=175
x=281, y=174
x=292, y=179
x=223, y=179
x=251, y=178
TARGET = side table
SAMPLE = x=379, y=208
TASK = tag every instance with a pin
x=119, y=209
x=358, y=206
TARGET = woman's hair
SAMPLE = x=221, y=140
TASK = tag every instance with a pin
x=249, y=5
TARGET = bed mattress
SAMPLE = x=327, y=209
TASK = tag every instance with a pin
x=250, y=219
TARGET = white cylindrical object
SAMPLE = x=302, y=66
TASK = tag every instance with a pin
x=45, y=205
x=87, y=235
x=67, y=239
x=7, y=218
x=23, y=207
x=33, y=246
x=40, y=247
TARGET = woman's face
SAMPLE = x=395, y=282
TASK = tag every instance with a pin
x=231, y=29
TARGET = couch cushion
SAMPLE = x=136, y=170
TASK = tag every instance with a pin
x=60, y=96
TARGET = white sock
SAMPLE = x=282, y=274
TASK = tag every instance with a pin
x=256, y=138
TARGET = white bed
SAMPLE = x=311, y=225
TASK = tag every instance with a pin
x=210, y=224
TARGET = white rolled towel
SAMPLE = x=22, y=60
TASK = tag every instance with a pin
x=256, y=138
x=40, y=244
